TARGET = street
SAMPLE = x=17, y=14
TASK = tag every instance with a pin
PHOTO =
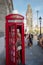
x=33, y=55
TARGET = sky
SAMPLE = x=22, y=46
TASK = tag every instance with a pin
x=20, y=6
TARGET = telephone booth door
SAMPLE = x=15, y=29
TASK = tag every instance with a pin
x=20, y=29
x=10, y=44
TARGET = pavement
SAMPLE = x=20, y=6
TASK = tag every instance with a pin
x=2, y=51
x=1, y=34
x=33, y=55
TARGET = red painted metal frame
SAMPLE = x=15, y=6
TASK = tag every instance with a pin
x=11, y=17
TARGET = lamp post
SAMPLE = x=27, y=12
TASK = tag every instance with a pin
x=37, y=17
x=40, y=24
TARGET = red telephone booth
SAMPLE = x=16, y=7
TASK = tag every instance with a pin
x=14, y=32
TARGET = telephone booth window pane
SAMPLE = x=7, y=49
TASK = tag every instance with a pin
x=12, y=42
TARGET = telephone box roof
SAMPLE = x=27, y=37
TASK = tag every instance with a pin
x=15, y=16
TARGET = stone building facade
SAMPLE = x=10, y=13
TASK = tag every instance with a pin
x=6, y=7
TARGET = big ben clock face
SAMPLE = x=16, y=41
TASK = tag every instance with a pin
x=29, y=16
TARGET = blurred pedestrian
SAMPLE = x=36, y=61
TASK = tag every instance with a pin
x=30, y=40
x=41, y=42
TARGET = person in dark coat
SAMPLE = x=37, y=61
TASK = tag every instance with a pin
x=30, y=39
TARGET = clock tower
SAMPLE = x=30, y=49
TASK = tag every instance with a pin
x=29, y=17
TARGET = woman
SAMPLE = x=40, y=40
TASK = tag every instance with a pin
x=19, y=46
